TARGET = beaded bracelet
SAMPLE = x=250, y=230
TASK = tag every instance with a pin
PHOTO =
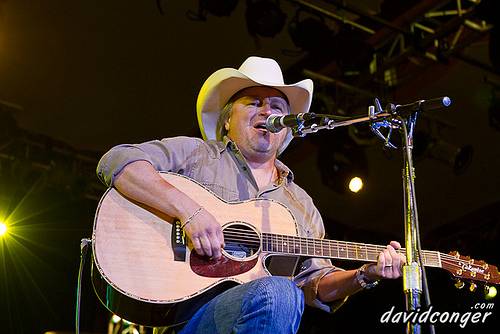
x=192, y=217
x=360, y=276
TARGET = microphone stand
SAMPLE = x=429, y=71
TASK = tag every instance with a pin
x=412, y=270
x=403, y=118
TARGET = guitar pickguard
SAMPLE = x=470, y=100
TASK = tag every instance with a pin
x=225, y=267
x=239, y=256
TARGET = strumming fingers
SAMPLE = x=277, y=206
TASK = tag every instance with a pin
x=206, y=245
x=197, y=246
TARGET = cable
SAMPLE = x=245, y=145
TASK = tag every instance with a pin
x=83, y=251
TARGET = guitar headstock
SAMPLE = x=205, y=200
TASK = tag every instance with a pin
x=463, y=267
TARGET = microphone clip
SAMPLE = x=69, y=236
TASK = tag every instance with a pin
x=318, y=122
x=400, y=115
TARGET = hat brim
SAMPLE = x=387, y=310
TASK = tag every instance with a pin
x=224, y=83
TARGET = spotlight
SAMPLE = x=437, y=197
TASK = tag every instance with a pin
x=115, y=319
x=117, y=324
x=457, y=157
x=490, y=292
x=264, y=17
x=218, y=7
x=3, y=229
x=342, y=164
x=356, y=184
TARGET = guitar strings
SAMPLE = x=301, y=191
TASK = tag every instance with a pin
x=316, y=247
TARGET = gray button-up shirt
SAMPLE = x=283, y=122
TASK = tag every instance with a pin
x=220, y=167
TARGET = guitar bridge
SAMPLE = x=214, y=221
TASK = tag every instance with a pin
x=178, y=242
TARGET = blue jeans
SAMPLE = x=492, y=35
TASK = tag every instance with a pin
x=266, y=305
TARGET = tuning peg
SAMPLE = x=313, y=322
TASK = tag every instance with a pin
x=459, y=284
x=473, y=287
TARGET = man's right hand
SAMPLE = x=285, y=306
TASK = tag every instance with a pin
x=141, y=182
x=206, y=235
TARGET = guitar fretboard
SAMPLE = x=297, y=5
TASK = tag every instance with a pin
x=325, y=248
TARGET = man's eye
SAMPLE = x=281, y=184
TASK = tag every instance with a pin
x=279, y=109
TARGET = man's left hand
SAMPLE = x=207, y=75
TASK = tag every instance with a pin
x=389, y=265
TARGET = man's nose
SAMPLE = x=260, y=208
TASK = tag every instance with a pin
x=266, y=110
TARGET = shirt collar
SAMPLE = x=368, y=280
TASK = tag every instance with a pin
x=283, y=170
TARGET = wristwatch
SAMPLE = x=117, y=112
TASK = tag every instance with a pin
x=360, y=276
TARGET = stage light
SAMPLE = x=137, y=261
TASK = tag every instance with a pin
x=117, y=324
x=3, y=229
x=356, y=184
x=342, y=164
x=115, y=319
x=455, y=156
x=342, y=173
x=264, y=17
x=490, y=292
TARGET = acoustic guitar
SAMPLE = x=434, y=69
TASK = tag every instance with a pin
x=144, y=271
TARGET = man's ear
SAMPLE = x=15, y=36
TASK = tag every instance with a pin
x=226, y=124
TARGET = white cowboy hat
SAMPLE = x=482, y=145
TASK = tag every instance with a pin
x=255, y=71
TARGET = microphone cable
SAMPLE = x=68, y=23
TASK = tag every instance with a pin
x=83, y=252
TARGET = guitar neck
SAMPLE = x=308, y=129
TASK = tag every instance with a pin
x=333, y=249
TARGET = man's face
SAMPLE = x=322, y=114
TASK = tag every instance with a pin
x=246, y=126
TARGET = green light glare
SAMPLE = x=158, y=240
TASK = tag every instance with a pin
x=34, y=256
x=491, y=293
x=3, y=229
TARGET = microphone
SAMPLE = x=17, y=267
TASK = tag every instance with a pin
x=275, y=123
x=424, y=105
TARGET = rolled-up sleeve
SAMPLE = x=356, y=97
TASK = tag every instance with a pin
x=313, y=270
x=112, y=163
x=171, y=154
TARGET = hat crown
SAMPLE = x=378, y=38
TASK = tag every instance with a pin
x=263, y=70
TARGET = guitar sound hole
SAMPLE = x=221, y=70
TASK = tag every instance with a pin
x=241, y=240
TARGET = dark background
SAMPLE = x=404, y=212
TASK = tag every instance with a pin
x=77, y=77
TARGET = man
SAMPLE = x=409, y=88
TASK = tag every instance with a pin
x=237, y=161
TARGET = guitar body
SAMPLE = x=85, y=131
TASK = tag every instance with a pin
x=143, y=269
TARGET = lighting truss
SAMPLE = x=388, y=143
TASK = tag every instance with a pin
x=427, y=34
